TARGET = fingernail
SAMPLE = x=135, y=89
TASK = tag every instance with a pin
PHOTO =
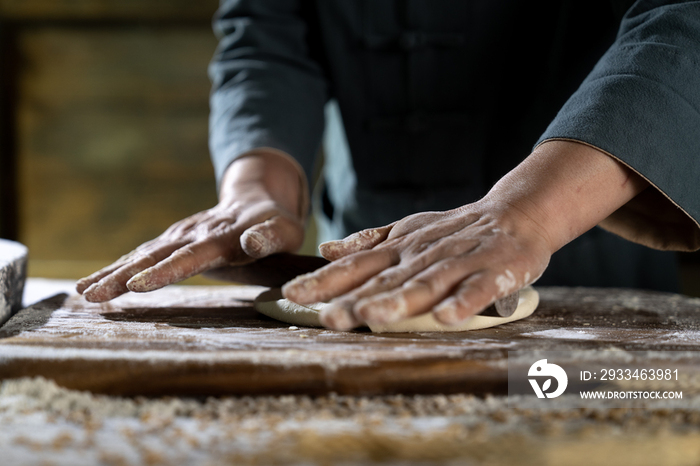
x=447, y=313
x=101, y=292
x=383, y=309
x=328, y=248
x=89, y=293
x=82, y=285
x=301, y=289
x=338, y=318
x=256, y=244
x=141, y=283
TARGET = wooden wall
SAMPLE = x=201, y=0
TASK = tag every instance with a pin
x=92, y=11
x=112, y=137
x=109, y=110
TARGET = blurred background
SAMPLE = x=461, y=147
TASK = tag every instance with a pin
x=103, y=128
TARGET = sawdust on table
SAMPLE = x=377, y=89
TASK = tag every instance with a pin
x=41, y=421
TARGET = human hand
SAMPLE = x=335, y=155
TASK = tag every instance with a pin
x=260, y=213
x=453, y=263
x=458, y=262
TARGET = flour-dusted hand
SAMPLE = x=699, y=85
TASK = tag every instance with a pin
x=455, y=263
x=458, y=262
x=223, y=235
x=263, y=201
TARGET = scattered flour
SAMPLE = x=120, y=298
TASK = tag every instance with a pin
x=43, y=423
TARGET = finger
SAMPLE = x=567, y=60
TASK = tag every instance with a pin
x=473, y=295
x=345, y=316
x=144, y=249
x=386, y=280
x=338, y=277
x=84, y=283
x=437, y=261
x=360, y=241
x=184, y=226
x=340, y=316
x=278, y=234
x=417, y=295
x=114, y=284
x=186, y=262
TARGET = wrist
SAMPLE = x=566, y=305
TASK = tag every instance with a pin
x=266, y=174
x=563, y=189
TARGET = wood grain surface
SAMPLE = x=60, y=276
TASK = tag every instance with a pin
x=210, y=341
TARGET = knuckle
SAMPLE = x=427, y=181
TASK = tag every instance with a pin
x=447, y=265
x=385, y=280
x=346, y=264
x=140, y=257
x=349, y=264
x=423, y=260
x=141, y=247
x=431, y=285
x=470, y=287
x=360, y=240
x=368, y=235
x=420, y=247
x=462, y=299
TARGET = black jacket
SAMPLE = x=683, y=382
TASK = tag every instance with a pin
x=439, y=99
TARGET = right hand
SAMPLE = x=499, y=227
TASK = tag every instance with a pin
x=261, y=212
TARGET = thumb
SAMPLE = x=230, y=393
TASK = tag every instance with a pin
x=278, y=234
x=360, y=241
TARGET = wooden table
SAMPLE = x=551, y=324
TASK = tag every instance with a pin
x=210, y=341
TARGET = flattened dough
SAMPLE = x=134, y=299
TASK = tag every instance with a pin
x=272, y=304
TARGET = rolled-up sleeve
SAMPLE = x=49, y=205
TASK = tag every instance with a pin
x=267, y=90
x=641, y=105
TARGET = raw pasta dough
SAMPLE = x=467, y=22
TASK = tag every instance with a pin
x=272, y=304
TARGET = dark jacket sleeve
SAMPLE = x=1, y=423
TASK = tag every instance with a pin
x=641, y=105
x=267, y=91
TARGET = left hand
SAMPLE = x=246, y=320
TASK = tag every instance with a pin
x=456, y=263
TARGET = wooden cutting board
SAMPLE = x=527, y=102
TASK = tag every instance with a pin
x=210, y=341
